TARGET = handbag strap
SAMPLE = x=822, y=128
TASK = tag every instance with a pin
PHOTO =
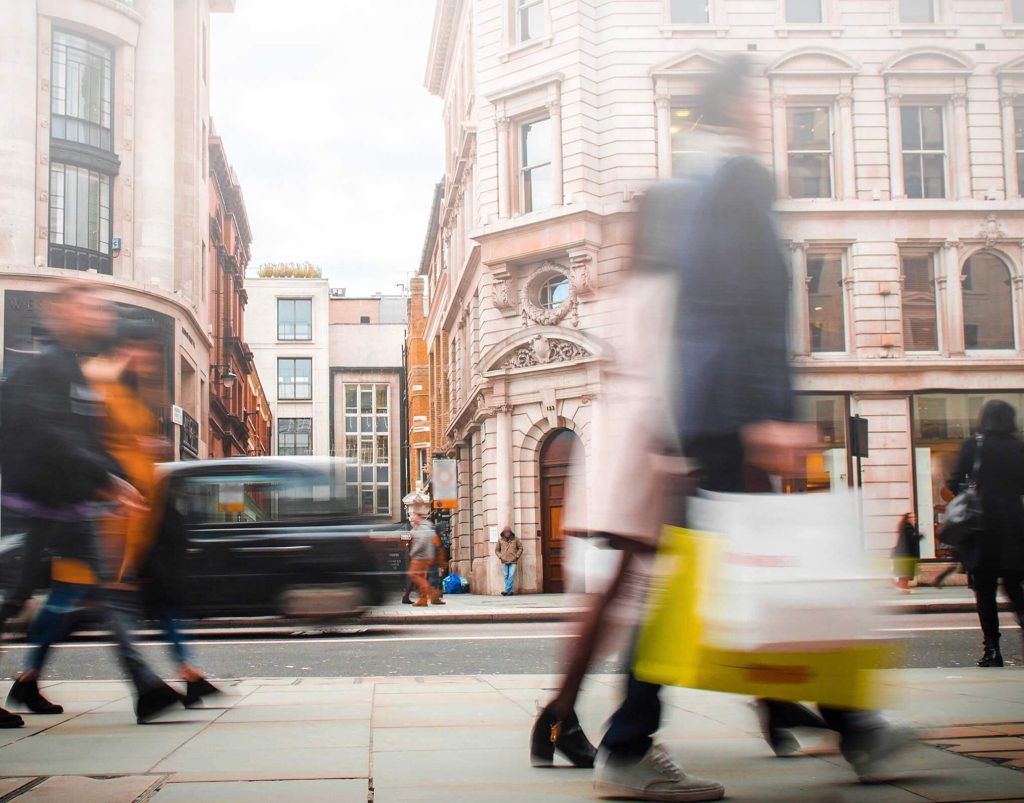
x=979, y=439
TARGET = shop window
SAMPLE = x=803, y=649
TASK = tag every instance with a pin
x=827, y=465
x=920, y=318
x=988, y=303
x=826, y=304
x=942, y=421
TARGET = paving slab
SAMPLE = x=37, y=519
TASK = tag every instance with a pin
x=8, y=785
x=82, y=789
x=310, y=791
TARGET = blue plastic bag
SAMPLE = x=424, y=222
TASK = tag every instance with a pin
x=452, y=584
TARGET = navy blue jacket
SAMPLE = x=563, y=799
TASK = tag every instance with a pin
x=732, y=322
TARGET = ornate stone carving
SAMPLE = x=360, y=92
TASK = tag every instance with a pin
x=992, y=230
x=543, y=350
x=531, y=310
x=504, y=293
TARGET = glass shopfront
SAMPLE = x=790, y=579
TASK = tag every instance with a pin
x=828, y=466
x=941, y=423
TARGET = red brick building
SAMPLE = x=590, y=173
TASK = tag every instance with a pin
x=240, y=418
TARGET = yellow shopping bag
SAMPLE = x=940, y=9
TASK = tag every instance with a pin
x=676, y=649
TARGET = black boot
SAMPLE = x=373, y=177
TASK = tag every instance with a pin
x=196, y=690
x=991, y=656
x=9, y=720
x=406, y=600
x=25, y=693
x=776, y=730
x=154, y=701
x=565, y=735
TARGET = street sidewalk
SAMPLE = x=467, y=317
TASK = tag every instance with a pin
x=400, y=740
x=466, y=608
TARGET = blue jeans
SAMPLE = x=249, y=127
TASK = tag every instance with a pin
x=509, y=572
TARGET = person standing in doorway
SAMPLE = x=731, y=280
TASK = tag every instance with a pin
x=509, y=550
x=907, y=552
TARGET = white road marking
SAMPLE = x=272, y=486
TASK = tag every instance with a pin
x=250, y=642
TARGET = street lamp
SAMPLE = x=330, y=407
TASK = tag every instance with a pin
x=225, y=375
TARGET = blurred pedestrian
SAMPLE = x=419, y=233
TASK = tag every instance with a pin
x=442, y=545
x=422, y=550
x=997, y=552
x=59, y=475
x=509, y=550
x=907, y=552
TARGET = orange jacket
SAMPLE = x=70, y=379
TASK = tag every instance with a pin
x=130, y=433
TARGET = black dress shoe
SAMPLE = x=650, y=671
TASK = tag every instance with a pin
x=565, y=735
x=25, y=693
x=196, y=690
x=9, y=720
x=153, y=702
x=406, y=601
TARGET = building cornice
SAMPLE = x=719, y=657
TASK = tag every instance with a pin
x=442, y=38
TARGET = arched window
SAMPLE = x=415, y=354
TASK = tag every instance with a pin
x=988, y=303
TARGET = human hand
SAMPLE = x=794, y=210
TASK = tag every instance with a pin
x=779, y=447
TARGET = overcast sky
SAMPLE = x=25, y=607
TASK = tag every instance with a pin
x=335, y=141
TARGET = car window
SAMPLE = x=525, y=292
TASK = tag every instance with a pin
x=254, y=498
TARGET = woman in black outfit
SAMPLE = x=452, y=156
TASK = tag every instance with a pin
x=998, y=551
x=907, y=552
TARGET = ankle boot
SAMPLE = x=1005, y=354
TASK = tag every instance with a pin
x=991, y=656
x=26, y=693
x=9, y=720
x=565, y=735
x=196, y=690
x=154, y=701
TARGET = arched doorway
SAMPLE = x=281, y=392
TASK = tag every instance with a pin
x=556, y=469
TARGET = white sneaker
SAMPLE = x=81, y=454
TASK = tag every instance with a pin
x=656, y=776
x=876, y=762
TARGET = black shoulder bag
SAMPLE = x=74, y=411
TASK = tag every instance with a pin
x=965, y=517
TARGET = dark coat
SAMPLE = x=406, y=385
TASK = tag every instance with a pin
x=732, y=329
x=51, y=452
x=908, y=542
x=1001, y=484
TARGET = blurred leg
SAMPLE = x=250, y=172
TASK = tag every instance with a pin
x=1012, y=585
x=636, y=720
x=985, y=585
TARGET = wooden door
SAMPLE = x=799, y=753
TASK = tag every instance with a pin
x=555, y=470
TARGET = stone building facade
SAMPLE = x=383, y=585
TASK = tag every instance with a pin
x=104, y=130
x=367, y=399
x=287, y=328
x=895, y=131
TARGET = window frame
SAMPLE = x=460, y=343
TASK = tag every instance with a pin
x=709, y=5
x=282, y=431
x=922, y=152
x=526, y=205
x=936, y=10
x=294, y=383
x=294, y=324
x=829, y=250
x=518, y=8
x=100, y=258
x=934, y=258
x=108, y=85
x=362, y=442
x=822, y=14
x=790, y=150
x=1013, y=290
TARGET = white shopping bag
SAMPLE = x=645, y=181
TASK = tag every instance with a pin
x=789, y=572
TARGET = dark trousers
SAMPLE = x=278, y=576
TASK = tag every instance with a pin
x=986, y=584
x=722, y=470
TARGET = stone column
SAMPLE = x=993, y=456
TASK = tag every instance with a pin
x=557, y=184
x=18, y=132
x=1018, y=306
x=961, y=141
x=504, y=468
x=779, y=144
x=663, y=106
x=954, y=298
x=1007, y=100
x=892, y=104
x=800, y=336
x=847, y=157
x=504, y=177
x=942, y=304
